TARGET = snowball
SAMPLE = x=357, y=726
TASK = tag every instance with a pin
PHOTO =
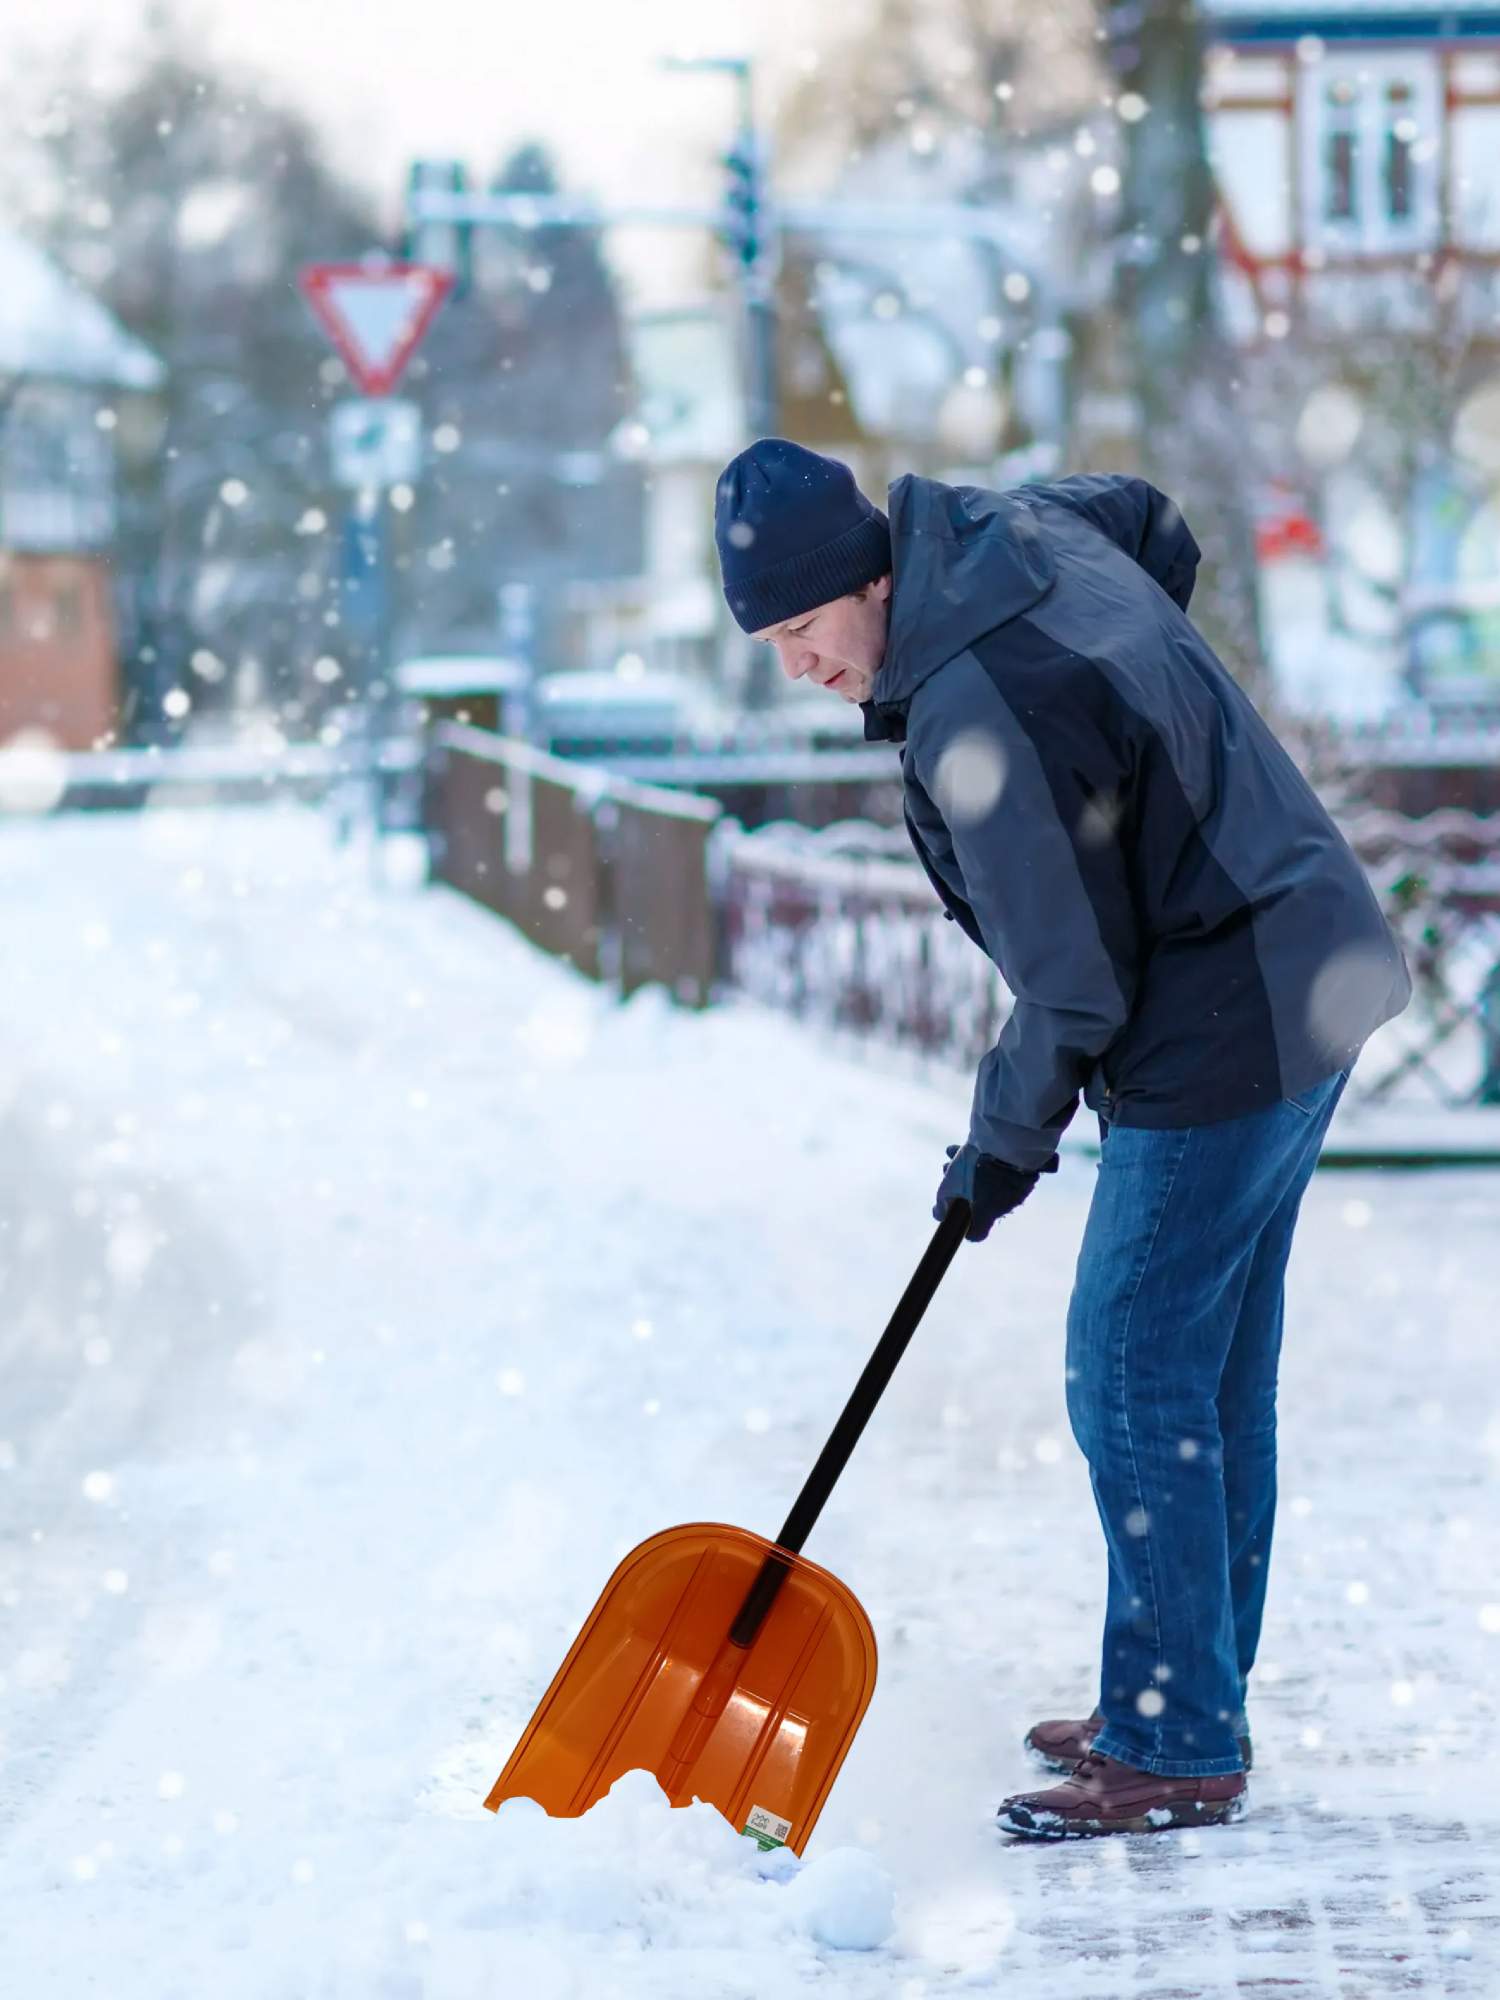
x=845, y=1899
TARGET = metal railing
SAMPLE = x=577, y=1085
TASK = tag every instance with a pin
x=862, y=944
x=857, y=943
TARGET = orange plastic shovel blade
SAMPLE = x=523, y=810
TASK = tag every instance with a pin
x=654, y=1683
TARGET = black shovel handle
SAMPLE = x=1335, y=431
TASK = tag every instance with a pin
x=868, y=1391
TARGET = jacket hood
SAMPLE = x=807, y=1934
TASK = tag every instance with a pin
x=964, y=559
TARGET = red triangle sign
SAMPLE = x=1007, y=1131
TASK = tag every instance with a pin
x=375, y=314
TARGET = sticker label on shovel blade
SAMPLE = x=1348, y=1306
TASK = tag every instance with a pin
x=766, y=1829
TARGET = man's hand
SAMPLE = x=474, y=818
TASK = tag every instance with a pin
x=989, y=1186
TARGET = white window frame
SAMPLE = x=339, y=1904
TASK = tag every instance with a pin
x=1372, y=229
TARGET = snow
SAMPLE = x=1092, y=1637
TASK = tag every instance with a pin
x=372, y=1284
x=461, y=673
x=906, y=314
x=623, y=703
x=51, y=328
x=1320, y=670
x=688, y=397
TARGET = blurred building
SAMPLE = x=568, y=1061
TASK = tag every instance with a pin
x=69, y=376
x=524, y=383
x=1356, y=147
x=685, y=426
x=1357, y=154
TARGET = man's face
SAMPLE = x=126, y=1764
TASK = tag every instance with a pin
x=840, y=645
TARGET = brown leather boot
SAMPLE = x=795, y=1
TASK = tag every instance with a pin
x=1057, y=1746
x=1103, y=1796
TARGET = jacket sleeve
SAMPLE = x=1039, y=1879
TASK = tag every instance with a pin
x=1032, y=808
x=1136, y=517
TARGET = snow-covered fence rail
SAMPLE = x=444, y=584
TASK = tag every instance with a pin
x=1414, y=765
x=1451, y=837
x=758, y=784
x=608, y=874
x=38, y=778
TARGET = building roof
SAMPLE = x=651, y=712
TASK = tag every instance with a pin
x=51, y=329
x=1279, y=21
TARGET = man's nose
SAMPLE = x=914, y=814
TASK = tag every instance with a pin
x=795, y=661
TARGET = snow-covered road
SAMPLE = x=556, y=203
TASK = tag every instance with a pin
x=369, y=1284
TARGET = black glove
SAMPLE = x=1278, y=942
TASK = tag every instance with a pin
x=991, y=1187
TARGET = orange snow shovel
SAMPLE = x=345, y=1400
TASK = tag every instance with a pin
x=730, y=1667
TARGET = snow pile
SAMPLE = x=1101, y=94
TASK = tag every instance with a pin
x=675, y=1878
x=675, y=1899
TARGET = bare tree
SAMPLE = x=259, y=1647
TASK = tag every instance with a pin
x=1184, y=374
x=1000, y=67
x=186, y=195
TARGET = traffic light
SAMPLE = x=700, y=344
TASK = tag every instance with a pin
x=447, y=245
x=744, y=199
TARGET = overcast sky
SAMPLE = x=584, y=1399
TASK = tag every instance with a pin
x=390, y=80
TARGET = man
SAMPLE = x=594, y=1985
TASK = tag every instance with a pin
x=1191, y=947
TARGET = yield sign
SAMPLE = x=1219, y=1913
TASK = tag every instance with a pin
x=375, y=314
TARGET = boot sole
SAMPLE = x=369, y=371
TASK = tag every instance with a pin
x=1160, y=1819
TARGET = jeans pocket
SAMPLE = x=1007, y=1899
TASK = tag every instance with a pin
x=1314, y=1100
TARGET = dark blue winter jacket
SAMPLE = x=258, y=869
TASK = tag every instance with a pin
x=1187, y=935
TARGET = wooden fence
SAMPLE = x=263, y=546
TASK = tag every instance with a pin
x=610, y=875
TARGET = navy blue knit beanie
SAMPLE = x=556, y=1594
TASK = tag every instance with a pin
x=793, y=531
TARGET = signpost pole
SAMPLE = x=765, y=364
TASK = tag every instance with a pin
x=365, y=618
x=376, y=314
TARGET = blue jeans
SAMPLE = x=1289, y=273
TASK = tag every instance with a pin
x=1174, y=1332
